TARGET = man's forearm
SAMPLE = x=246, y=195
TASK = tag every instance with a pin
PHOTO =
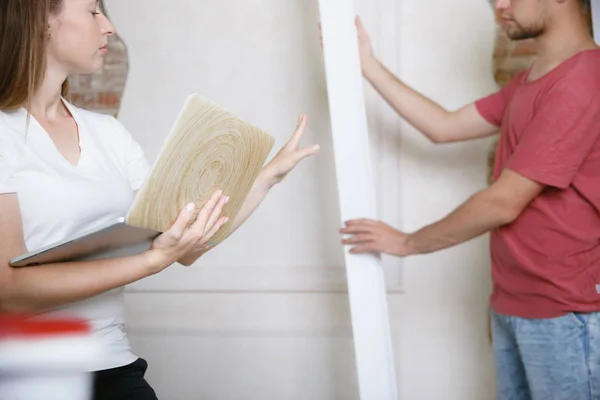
x=424, y=114
x=478, y=215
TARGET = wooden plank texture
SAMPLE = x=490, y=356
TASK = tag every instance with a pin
x=208, y=149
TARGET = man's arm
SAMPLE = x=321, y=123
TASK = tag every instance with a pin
x=436, y=123
x=550, y=152
x=498, y=205
x=431, y=119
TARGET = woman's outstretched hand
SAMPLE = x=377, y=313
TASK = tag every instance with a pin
x=290, y=155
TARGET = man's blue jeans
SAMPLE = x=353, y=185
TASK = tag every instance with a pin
x=547, y=359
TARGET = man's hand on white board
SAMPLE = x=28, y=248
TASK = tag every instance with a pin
x=365, y=47
x=187, y=235
x=289, y=156
x=369, y=236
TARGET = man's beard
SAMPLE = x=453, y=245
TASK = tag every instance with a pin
x=519, y=32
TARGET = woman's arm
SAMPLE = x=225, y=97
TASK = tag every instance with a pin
x=40, y=288
x=274, y=172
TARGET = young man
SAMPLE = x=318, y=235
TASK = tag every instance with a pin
x=545, y=263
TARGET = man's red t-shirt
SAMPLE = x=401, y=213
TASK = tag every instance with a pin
x=547, y=262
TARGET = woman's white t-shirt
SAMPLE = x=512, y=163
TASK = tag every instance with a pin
x=58, y=199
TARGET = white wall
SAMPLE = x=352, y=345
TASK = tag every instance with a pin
x=265, y=316
x=445, y=53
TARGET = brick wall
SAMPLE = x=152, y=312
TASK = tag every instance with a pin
x=102, y=91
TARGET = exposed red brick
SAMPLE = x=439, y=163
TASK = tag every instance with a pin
x=497, y=14
x=501, y=47
x=524, y=48
x=114, y=77
x=82, y=81
x=117, y=52
x=87, y=101
x=115, y=56
x=102, y=91
x=108, y=99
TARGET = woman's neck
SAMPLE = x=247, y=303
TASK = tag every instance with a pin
x=46, y=102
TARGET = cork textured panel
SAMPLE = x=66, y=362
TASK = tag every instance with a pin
x=208, y=149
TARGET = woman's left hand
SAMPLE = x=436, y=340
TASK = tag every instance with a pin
x=290, y=155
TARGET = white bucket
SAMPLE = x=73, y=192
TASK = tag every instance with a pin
x=45, y=359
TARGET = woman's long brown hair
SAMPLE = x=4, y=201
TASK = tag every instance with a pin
x=23, y=40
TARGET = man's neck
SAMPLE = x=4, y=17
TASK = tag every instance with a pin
x=558, y=45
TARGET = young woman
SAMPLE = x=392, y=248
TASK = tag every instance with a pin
x=63, y=170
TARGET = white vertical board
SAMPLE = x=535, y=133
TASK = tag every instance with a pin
x=356, y=190
x=596, y=19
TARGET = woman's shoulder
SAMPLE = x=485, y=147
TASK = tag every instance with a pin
x=13, y=128
x=12, y=145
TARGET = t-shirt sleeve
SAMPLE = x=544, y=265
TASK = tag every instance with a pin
x=136, y=163
x=565, y=128
x=493, y=106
